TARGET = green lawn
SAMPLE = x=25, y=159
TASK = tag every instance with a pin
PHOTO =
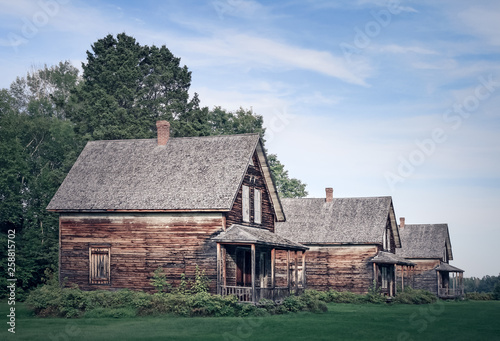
x=441, y=321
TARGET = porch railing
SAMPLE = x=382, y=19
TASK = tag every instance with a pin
x=244, y=294
x=450, y=292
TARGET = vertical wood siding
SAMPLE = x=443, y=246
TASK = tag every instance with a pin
x=254, y=180
x=341, y=268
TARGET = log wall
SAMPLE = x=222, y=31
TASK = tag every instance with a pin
x=139, y=243
x=425, y=276
x=341, y=268
x=253, y=179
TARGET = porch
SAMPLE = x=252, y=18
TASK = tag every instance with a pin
x=386, y=266
x=450, y=282
x=246, y=265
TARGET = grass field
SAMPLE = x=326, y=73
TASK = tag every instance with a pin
x=470, y=320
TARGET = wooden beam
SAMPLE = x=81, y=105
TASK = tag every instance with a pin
x=273, y=266
x=224, y=275
x=296, y=272
x=303, y=269
x=254, y=297
x=219, y=270
x=288, y=269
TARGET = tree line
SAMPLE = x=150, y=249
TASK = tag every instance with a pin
x=47, y=117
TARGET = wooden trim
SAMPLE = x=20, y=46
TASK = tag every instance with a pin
x=219, y=270
x=273, y=265
x=296, y=271
x=288, y=269
x=60, y=251
x=253, y=273
x=303, y=269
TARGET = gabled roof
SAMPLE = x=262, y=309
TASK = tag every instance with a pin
x=383, y=257
x=425, y=241
x=191, y=173
x=251, y=235
x=342, y=221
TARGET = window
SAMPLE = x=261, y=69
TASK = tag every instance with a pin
x=246, y=203
x=99, y=265
x=243, y=267
x=257, y=206
x=385, y=277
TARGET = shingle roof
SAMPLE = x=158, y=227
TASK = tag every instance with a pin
x=344, y=220
x=383, y=257
x=188, y=173
x=425, y=241
x=251, y=235
x=448, y=268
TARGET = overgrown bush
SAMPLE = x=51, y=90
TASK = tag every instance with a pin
x=51, y=300
x=479, y=296
x=415, y=296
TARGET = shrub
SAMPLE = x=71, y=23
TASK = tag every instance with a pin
x=293, y=304
x=415, y=296
x=159, y=280
x=479, y=296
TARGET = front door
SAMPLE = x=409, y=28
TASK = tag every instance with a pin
x=243, y=268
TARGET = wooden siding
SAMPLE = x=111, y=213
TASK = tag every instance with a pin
x=254, y=180
x=424, y=274
x=341, y=268
x=138, y=244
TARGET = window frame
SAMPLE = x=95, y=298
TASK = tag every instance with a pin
x=245, y=204
x=257, y=206
x=100, y=274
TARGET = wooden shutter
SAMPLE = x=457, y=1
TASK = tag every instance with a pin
x=257, y=206
x=99, y=264
x=246, y=203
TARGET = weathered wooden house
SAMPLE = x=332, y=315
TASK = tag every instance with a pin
x=352, y=241
x=428, y=246
x=130, y=206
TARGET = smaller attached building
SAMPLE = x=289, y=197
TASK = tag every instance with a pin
x=352, y=241
x=428, y=246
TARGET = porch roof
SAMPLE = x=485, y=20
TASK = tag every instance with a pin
x=390, y=258
x=240, y=234
x=445, y=267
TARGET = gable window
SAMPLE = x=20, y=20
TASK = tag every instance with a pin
x=99, y=264
x=246, y=203
x=257, y=206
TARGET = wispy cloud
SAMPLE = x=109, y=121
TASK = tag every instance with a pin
x=484, y=22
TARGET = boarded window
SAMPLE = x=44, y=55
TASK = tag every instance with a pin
x=246, y=203
x=99, y=265
x=257, y=206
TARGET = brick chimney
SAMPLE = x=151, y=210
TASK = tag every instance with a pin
x=329, y=194
x=163, y=131
x=401, y=223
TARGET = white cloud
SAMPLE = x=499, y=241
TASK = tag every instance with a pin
x=393, y=48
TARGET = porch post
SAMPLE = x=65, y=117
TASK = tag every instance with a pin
x=288, y=270
x=375, y=275
x=253, y=274
x=303, y=269
x=219, y=291
x=296, y=272
x=395, y=279
x=223, y=265
x=273, y=266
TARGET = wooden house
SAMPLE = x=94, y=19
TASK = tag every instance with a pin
x=428, y=246
x=352, y=241
x=128, y=207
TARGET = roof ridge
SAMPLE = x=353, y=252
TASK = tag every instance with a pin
x=177, y=138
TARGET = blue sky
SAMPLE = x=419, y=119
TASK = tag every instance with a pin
x=369, y=97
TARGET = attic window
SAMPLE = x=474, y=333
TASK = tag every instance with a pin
x=99, y=265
